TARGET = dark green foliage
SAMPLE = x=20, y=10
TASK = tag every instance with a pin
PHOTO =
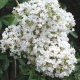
x=27, y=72
x=3, y=3
x=4, y=64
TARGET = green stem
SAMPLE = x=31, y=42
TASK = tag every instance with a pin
x=15, y=67
x=17, y=2
x=12, y=70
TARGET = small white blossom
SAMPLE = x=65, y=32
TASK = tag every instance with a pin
x=41, y=36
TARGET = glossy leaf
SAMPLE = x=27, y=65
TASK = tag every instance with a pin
x=5, y=22
x=3, y=3
x=5, y=19
x=74, y=34
x=30, y=75
x=12, y=20
x=22, y=62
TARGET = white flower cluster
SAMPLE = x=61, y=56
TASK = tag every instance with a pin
x=41, y=37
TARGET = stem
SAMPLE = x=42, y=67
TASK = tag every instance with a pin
x=6, y=72
x=17, y=2
x=15, y=67
x=12, y=70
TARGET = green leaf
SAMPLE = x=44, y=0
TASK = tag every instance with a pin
x=1, y=71
x=70, y=77
x=3, y=3
x=5, y=22
x=78, y=60
x=30, y=75
x=6, y=64
x=12, y=20
x=24, y=70
x=74, y=34
x=21, y=77
x=4, y=77
x=6, y=16
x=0, y=24
x=5, y=19
x=77, y=76
x=3, y=56
x=20, y=1
x=64, y=7
x=22, y=62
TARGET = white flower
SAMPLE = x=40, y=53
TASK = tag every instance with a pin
x=41, y=36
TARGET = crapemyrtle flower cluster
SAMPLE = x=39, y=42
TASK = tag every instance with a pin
x=41, y=36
